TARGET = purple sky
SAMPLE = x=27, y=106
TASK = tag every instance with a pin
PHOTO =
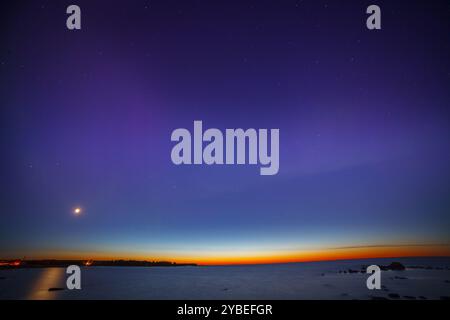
x=87, y=117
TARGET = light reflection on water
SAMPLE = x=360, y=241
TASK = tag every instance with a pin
x=49, y=278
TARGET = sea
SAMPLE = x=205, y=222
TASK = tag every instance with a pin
x=423, y=279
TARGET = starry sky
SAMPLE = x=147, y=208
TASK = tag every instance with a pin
x=86, y=119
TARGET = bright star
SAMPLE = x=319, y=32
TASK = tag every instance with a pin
x=77, y=211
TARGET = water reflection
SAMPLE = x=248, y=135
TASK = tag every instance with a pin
x=49, y=278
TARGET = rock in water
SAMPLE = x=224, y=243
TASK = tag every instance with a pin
x=396, y=266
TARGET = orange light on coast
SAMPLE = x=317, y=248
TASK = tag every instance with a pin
x=88, y=263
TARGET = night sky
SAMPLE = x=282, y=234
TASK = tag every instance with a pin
x=86, y=119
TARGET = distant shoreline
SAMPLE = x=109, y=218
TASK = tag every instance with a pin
x=46, y=263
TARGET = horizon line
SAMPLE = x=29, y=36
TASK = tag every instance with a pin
x=230, y=264
x=273, y=257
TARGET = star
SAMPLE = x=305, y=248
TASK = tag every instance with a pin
x=77, y=211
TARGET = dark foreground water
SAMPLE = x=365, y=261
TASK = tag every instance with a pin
x=317, y=280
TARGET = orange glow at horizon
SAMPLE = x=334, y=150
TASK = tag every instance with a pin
x=230, y=258
x=325, y=255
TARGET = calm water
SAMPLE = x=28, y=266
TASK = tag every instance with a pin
x=319, y=280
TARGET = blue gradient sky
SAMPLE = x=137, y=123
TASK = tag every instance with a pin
x=87, y=117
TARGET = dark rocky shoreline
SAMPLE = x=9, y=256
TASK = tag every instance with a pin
x=15, y=264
